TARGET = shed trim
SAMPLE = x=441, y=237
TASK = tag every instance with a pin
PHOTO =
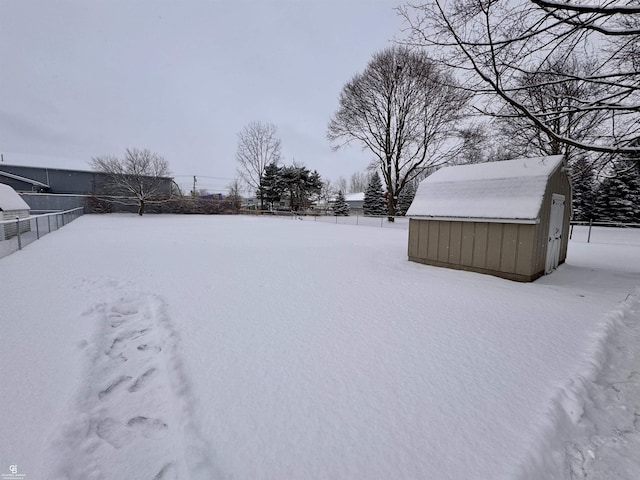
x=529, y=221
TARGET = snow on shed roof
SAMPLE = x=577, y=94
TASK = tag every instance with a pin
x=512, y=189
x=10, y=200
x=354, y=197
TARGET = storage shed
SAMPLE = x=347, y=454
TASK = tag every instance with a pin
x=509, y=219
x=12, y=206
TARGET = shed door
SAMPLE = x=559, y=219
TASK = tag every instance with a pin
x=555, y=232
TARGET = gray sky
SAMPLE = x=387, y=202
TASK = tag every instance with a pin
x=181, y=78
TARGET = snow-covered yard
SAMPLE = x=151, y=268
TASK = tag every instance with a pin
x=175, y=347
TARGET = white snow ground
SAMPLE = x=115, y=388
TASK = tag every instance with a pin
x=174, y=347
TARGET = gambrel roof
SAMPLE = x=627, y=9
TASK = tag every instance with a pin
x=10, y=200
x=507, y=190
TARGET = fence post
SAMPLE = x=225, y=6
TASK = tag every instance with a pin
x=18, y=233
x=589, y=236
x=571, y=232
x=49, y=223
x=37, y=230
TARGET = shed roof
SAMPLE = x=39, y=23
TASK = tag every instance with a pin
x=354, y=197
x=10, y=200
x=510, y=190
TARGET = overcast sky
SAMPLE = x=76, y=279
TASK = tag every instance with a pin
x=181, y=78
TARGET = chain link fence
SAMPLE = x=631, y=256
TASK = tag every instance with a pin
x=358, y=220
x=619, y=233
x=18, y=233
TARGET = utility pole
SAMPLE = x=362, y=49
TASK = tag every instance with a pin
x=193, y=193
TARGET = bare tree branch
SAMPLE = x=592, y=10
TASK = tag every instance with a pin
x=493, y=44
x=141, y=174
x=258, y=146
x=402, y=108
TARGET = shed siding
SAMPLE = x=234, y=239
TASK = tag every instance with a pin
x=479, y=259
x=414, y=241
x=455, y=242
x=424, y=236
x=509, y=251
x=494, y=246
x=504, y=250
x=432, y=240
x=466, y=250
x=524, y=260
x=443, y=242
x=9, y=230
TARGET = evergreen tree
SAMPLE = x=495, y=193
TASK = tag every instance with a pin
x=583, y=190
x=341, y=207
x=406, y=198
x=618, y=198
x=301, y=185
x=374, y=197
x=271, y=185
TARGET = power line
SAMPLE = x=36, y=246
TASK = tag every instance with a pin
x=204, y=176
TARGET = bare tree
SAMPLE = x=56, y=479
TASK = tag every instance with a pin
x=359, y=182
x=549, y=95
x=258, y=146
x=341, y=184
x=403, y=108
x=495, y=44
x=327, y=191
x=234, y=194
x=141, y=174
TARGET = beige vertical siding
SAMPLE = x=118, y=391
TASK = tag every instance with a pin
x=524, y=260
x=424, y=236
x=443, y=242
x=466, y=252
x=480, y=245
x=503, y=249
x=509, y=251
x=455, y=242
x=494, y=246
x=414, y=239
x=432, y=240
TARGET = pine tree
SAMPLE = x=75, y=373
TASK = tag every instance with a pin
x=271, y=185
x=374, y=197
x=301, y=185
x=618, y=197
x=341, y=207
x=583, y=190
x=406, y=198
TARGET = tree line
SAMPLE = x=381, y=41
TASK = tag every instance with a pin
x=477, y=81
x=295, y=183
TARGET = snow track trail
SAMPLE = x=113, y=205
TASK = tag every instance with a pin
x=609, y=444
x=134, y=409
x=595, y=429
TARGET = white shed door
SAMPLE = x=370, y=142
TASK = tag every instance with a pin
x=555, y=232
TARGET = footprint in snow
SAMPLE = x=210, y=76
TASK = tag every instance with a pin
x=143, y=379
x=167, y=472
x=113, y=386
